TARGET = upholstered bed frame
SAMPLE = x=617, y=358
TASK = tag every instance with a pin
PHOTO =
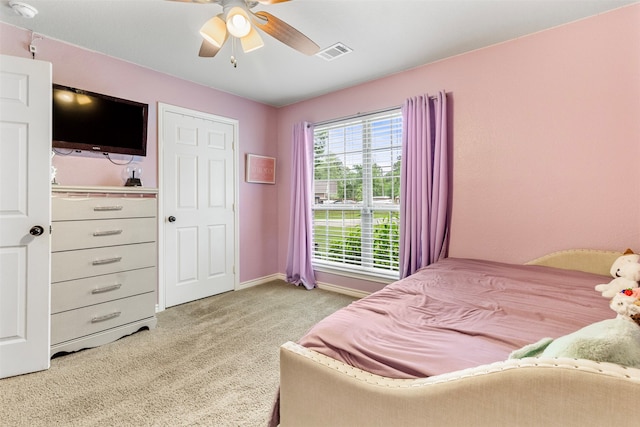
x=316, y=390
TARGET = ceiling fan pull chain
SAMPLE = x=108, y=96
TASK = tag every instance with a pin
x=234, y=61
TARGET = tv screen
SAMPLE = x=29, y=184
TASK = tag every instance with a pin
x=84, y=120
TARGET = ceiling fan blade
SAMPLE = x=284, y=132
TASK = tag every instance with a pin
x=218, y=1
x=284, y=32
x=207, y=50
x=196, y=1
x=271, y=1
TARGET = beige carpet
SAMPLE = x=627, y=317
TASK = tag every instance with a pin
x=212, y=362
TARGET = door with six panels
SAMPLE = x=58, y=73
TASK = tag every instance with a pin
x=199, y=180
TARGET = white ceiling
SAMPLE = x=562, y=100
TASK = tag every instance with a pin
x=386, y=37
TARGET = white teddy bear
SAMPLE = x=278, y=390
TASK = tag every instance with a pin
x=627, y=304
x=626, y=273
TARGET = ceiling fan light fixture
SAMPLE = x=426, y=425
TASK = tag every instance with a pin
x=251, y=41
x=238, y=22
x=23, y=9
x=214, y=31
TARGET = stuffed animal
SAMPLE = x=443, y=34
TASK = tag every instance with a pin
x=628, y=258
x=626, y=273
x=627, y=304
x=609, y=290
x=612, y=340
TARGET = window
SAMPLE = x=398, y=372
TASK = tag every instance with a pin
x=356, y=179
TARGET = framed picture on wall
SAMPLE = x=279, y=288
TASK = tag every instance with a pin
x=260, y=169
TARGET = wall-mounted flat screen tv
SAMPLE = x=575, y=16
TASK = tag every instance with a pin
x=89, y=121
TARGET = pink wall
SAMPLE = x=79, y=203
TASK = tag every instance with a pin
x=95, y=72
x=545, y=134
x=546, y=139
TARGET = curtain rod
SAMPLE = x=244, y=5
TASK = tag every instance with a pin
x=358, y=115
x=355, y=116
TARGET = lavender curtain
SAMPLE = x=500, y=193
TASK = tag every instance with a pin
x=299, y=269
x=424, y=183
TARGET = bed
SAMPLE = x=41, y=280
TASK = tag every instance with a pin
x=433, y=350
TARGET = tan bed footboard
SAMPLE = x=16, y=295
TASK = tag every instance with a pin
x=319, y=391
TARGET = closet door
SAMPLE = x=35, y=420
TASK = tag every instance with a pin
x=199, y=193
x=25, y=164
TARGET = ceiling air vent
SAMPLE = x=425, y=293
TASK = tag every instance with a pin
x=333, y=52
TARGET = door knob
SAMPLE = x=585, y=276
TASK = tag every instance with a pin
x=36, y=230
x=172, y=218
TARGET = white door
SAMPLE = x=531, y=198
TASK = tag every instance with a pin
x=198, y=198
x=25, y=162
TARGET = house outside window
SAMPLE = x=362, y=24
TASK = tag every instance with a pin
x=357, y=195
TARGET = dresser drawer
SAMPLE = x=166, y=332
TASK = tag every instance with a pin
x=74, y=294
x=72, y=208
x=70, y=235
x=88, y=320
x=70, y=265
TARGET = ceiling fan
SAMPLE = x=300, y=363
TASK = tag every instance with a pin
x=239, y=21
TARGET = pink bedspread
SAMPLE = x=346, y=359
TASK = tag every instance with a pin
x=456, y=314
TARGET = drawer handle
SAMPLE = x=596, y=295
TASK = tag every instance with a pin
x=107, y=208
x=106, y=288
x=107, y=261
x=106, y=317
x=107, y=233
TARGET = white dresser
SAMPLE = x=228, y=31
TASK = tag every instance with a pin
x=103, y=264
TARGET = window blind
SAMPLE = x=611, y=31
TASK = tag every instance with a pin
x=357, y=192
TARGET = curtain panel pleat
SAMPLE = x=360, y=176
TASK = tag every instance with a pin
x=299, y=269
x=424, y=186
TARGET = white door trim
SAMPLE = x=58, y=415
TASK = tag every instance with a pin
x=162, y=108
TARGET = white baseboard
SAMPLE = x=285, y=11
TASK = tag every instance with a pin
x=260, y=281
x=325, y=286
x=342, y=290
